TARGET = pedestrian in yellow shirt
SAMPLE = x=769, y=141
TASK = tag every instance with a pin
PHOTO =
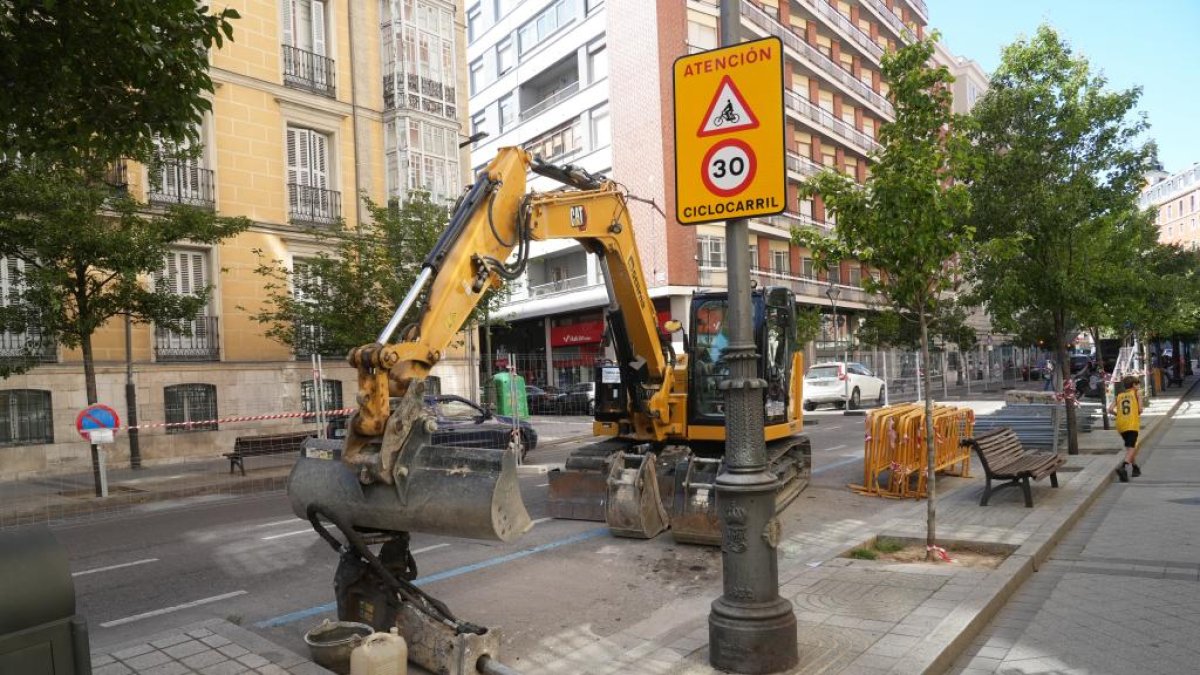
x=1127, y=407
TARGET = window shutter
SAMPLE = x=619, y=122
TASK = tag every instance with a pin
x=319, y=160
x=293, y=155
x=318, y=27
x=289, y=14
x=304, y=156
x=172, y=272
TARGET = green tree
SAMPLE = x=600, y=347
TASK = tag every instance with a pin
x=342, y=297
x=1055, y=157
x=97, y=80
x=909, y=218
x=808, y=324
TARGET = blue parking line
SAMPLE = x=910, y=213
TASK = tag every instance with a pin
x=293, y=617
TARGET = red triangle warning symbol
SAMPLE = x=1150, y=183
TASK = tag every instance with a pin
x=728, y=112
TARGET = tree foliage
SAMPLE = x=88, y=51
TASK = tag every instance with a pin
x=343, y=296
x=1057, y=166
x=892, y=328
x=99, y=79
x=909, y=219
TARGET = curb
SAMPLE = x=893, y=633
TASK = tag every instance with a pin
x=981, y=607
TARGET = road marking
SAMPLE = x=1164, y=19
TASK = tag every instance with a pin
x=114, y=567
x=540, y=521
x=542, y=484
x=288, y=534
x=429, y=548
x=168, y=610
x=836, y=447
x=300, y=615
x=289, y=521
x=837, y=464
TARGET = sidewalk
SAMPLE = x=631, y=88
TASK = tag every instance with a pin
x=1120, y=594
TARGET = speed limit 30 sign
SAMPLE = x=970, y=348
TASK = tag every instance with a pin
x=729, y=149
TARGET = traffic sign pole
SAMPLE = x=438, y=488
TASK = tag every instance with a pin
x=751, y=629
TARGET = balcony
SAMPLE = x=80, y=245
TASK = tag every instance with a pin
x=802, y=166
x=823, y=118
x=560, y=286
x=309, y=71
x=788, y=220
x=550, y=101
x=117, y=178
x=27, y=346
x=199, y=342
x=807, y=52
x=919, y=5
x=181, y=181
x=887, y=16
x=856, y=35
x=308, y=205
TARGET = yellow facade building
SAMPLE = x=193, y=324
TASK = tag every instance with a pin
x=316, y=102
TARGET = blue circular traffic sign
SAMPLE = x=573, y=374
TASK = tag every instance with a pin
x=94, y=417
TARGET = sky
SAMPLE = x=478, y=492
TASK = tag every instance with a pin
x=1151, y=43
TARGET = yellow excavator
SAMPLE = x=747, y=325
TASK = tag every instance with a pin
x=659, y=414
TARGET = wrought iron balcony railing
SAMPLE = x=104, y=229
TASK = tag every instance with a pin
x=27, y=346
x=809, y=110
x=856, y=34
x=181, y=181
x=307, y=70
x=889, y=17
x=200, y=342
x=802, y=165
x=313, y=206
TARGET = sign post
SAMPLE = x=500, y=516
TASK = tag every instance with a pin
x=730, y=166
x=98, y=424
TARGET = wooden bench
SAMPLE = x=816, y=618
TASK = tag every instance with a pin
x=271, y=444
x=1004, y=458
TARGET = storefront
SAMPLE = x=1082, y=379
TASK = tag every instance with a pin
x=575, y=345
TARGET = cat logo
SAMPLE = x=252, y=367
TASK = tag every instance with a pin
x=578, y=218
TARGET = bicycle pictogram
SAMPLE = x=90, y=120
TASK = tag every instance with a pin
x=727, y=114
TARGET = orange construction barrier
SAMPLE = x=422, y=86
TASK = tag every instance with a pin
x=894, y=448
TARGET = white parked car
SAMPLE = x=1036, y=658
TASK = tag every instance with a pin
x=842, y=384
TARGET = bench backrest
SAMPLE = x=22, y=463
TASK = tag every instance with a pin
x=997, y=447
x=276, y=442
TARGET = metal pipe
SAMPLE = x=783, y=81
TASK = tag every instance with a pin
x=405, y=305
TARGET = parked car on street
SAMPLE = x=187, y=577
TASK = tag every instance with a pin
x=580, y=399
x=462, y=423
x=842, y=384
x=547, y=401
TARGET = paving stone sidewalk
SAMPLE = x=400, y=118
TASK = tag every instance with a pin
x=1121, y=594
x=213, y=647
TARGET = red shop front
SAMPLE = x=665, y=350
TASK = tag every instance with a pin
x=576, y=347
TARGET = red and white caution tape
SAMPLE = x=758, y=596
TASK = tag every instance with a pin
x=244, y=418
x=941, y=553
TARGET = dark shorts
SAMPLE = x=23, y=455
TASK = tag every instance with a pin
x=1130, y=438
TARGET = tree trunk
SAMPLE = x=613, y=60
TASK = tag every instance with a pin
x=931, y=473
x=1103, y=373
x=89, y=380
x=1064, y=367
x=1147, y=368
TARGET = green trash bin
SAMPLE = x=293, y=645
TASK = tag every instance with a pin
x=509, y=394
x=40, y=633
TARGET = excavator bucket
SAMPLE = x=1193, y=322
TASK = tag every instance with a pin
x=579, y=490
x=634, y=508
x=445, y=490
x=694, y=517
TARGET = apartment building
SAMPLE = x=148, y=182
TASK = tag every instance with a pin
x=1175, y=197
x=588, y=82
x=315, y=103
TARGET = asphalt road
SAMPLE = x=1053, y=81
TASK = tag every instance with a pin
x=250, y=561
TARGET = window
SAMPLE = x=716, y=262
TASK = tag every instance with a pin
x=557, y=143
x=503, y=7
x=26, y=417
x=855, y=276
x=835, y=272
x=305, y=25
x=508, y=113
x=506, y=56
x=598, y=63
x=601, y=128
x=477, y=125
x=701, y=36
x=1168, y=211
x=474, y=17
x=309, y=198
x=806, y=268
x=187, y=273
x=710, y=251
x=780, y=262
x=191, y=403
x=754, y=256
x=1193, y=203
x=476, y=75
x=545, y=24
x=806, y=208
x=331, y=398
x=593, y=5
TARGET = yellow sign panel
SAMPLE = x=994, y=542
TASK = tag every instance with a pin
x=729, y=154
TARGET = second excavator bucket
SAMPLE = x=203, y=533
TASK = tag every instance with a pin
x=445, y=490
x=579, y=490
x=634, y=507
x=694, y=517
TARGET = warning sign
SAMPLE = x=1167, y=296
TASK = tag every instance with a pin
x=729, y=147
x=727, y=112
